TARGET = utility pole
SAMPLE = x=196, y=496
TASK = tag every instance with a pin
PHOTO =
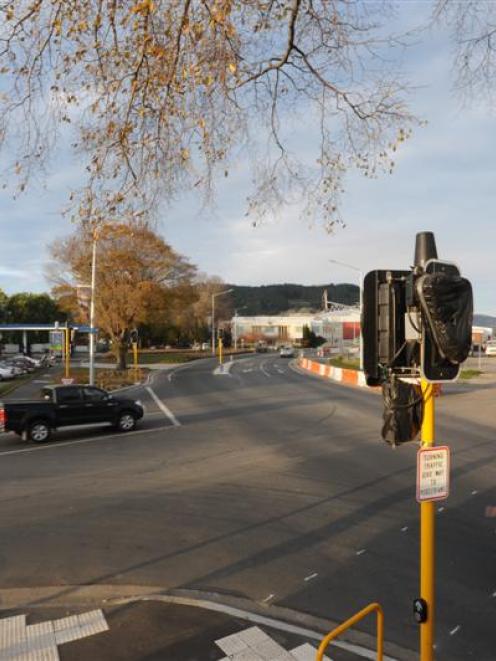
x=220, y=293
x=92, y=313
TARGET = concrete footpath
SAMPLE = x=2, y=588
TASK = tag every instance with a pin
x=152, y=628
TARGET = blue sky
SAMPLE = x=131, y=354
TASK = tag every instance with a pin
x=444, y=181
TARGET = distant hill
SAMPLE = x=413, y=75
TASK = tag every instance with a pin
x=484, y=320
x=276, y=299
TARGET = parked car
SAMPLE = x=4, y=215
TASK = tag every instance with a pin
x=491, y=348
x=286, y=352
x=25, y=365
x=6, y=372
x=28, y=359
x=19, y=367
x=67, y=406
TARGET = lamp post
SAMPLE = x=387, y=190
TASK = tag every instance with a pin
x=236, y=326
x=360, y=289
x=92, y=312
x=214, y=296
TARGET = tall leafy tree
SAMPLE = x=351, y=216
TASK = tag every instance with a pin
x=162, y=93
x=138, y=277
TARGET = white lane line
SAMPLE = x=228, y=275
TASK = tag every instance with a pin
x=263, y=620
x=404, y=529
x=455, y=630
x=267, y=599
x=262, y=367
x=440, y=509
x=360, y=552
x=165, y=409
x=474, y=492
x=310, y=577
x=494, y=594
x=81, y=441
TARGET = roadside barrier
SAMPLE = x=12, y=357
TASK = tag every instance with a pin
x=350, y=377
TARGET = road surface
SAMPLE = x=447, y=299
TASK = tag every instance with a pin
x=266, y=484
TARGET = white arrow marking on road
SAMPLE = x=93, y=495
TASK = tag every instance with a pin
x=165, y=409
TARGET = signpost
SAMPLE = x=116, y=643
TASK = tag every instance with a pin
x=433, y=473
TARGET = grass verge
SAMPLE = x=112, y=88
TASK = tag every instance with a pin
x=6, y=387
x=345, y=363
x=110, y=379
x=469, y=374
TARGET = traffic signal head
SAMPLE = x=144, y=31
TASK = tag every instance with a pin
x=417, y=321
x=383, y=324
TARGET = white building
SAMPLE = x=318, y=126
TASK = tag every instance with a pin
x=273, y=329
x=335, y=326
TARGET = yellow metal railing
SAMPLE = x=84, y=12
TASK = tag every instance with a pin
x=349, y=623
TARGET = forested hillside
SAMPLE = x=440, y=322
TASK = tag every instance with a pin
x=274, y=299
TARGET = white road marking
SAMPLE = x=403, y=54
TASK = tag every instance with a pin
x=262, y=620
x=165, y=409
x=360, y=551
x=271, y=596
x=81, y=441
x=262, y=367
x=494, y=594
x=310, y=577
x=42, y=381
x=453, y=631
x=225, y=368
x=474, y=492
x=39, y=641
x=247, y=371
x=404, y=529
x=440, y=509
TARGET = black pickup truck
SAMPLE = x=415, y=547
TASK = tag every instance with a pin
x=68, y=406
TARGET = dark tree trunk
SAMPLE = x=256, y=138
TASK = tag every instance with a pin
x=122, y=356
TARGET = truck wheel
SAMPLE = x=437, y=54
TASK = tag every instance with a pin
x=126, y=421
x=39, y=431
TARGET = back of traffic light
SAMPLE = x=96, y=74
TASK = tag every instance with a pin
x=417, y=330
x=416, y=322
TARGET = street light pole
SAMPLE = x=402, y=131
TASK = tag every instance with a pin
x=360, y=289
x=92, y=313
x=220, y=293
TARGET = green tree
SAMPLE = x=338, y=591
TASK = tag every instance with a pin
x=309, y=339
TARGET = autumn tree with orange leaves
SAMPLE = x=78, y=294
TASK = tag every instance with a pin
x=159, y=96
x=139, y=278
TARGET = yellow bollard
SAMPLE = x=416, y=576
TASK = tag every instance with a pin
x=427, y=534
x=220, y=350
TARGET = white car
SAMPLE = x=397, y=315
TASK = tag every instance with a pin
x=6, y=373
x=16, y=371
x=286, y=352
x=491, y=348
x=33, y=361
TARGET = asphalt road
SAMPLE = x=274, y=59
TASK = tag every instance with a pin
x=274, y=487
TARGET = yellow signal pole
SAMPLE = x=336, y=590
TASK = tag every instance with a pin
x=427, y=533
x=67, y=353
x=135, y=355
x=220, y=351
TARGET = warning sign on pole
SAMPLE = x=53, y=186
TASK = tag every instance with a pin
x=433, y=473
